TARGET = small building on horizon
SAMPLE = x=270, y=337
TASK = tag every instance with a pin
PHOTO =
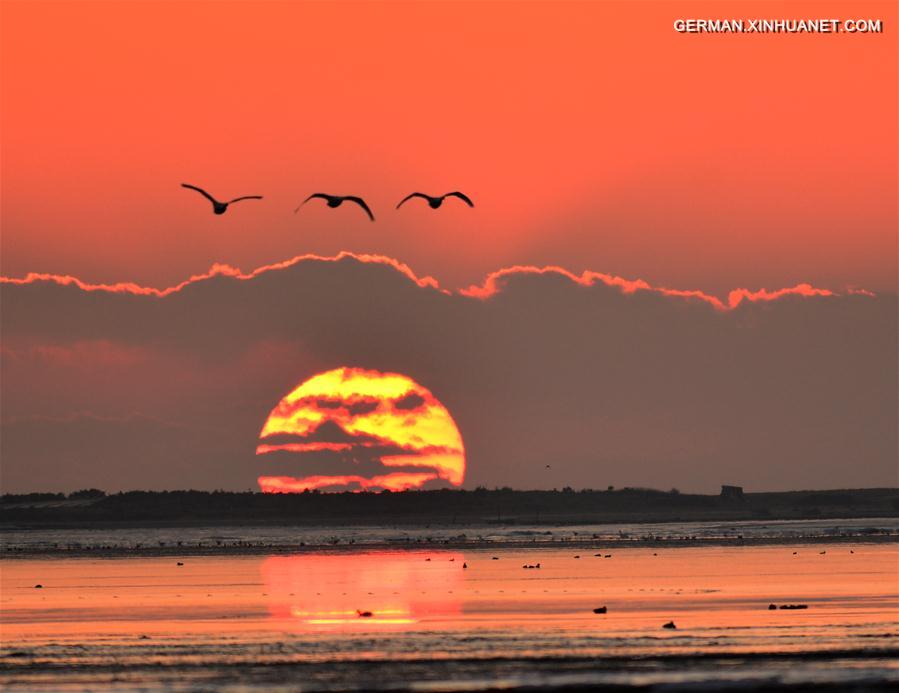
x=732, y=493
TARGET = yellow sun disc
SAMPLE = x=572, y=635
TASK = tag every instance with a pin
x=386, y=419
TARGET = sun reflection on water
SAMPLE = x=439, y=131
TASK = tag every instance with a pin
x=368, y=590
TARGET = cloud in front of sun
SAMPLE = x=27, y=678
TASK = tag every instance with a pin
x=363, y=430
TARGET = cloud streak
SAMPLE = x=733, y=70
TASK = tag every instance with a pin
x=492, y=284
x=495, y=282
x=217, y=270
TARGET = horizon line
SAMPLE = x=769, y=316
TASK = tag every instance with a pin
x=477, y=489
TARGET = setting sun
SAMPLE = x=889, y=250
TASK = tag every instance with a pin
x=373, y=430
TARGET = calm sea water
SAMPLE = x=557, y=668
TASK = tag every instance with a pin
x=455, y=619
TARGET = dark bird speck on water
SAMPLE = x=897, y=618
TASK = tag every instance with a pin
x=670, y=625
x=334, y=201
x=38, y=586
x=364, y=614
x=219, y=207
x=600, y=610
x=434, y=202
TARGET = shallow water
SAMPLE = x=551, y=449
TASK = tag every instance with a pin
x=40, y=540
x=251, y=622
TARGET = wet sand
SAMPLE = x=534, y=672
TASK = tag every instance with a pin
x=455, y=617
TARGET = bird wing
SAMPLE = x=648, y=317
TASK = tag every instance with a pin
x=359, y=201
x=311, y=197
x=246, y=197
x=201, y=191
x=461, y=196
x=409, y=197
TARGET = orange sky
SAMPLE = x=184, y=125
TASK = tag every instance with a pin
x=590, y=135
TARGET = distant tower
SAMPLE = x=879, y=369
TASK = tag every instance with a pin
x=732, y=493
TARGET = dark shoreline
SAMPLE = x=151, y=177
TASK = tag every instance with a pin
x=448, y=508
x=262, y=548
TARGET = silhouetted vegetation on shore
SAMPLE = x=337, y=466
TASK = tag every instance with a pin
x=506, y=506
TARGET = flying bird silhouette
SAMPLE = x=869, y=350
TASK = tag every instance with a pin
x=219, y=207
x=435, y=202
x=335, y=201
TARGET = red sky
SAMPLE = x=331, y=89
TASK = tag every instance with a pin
x=590, y=136
x=657, y=172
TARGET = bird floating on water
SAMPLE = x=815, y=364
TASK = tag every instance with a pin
x=335, y=201
x=217, y=206
x=435, y=202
